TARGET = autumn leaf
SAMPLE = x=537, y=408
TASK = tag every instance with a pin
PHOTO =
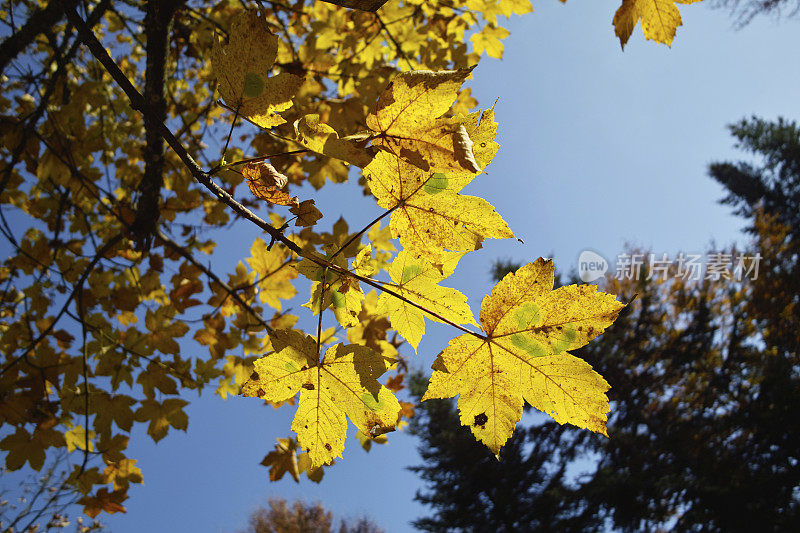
x=323, y=139
x=243, y=67
x=417, y=279
x=529, y=328
x=110, y=502
x=266, y=183
x=429, y=215
x=77, y=438
x=274, y=273
x=343, y=383
x=660, y=19
x=331, y=289
x=306, y=212
x=409, y=122
x=489, y=40
x=122, y=473
x=162, y=415
x=286, y=459
x=23, y=447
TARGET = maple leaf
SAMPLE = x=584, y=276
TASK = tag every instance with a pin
x=282, y=460
x=529, y=328
x=409, y=123
x=23, y=447
x=122, y=473
x=242, y=69
x=417, y=279
x=274, y=275
x=429, y=214
x=330, y=289
x=323, y=139
x=489, y=40
x=307, y=213
x=162, y=415
x=110, y=502
x=76, y=439
x=660, y=19
x=343, y=383
x=266, y=182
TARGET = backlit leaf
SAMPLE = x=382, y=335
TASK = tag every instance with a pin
x=242, y=68
x=343, y=384
x=523, y=357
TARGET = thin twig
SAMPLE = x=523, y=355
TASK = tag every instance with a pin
x=94, y=45
x=98, y=256
x=208, y=272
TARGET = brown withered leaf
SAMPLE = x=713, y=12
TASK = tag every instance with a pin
x=266, y=182
x=307, y=213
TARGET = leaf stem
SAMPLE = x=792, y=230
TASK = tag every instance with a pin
x=358, y=235
x=230, y=134
x=257, y=159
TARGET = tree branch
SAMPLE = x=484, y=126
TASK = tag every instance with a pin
x=210, y=273
x=39, y=21
x=157, y=23
x=204, y=178
x=75, y=288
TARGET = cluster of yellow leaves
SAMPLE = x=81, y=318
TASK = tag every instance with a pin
x=424, y=158
x=418, y=144
x=343, y=383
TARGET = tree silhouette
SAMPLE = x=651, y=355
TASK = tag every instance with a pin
x=704, y=379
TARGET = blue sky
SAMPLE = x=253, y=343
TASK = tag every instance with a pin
x=599, y=147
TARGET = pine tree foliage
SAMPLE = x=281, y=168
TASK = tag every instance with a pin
x=705, y=374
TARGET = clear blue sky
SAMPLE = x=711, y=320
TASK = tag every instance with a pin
x=599, y=147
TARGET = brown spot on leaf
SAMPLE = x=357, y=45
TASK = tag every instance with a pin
x=481, y=419
x=254, y=376
x=308, y=386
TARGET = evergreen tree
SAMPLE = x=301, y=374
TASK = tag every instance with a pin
x=705, y=388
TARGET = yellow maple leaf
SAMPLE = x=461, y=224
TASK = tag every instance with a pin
x=418, y=279
x=428, y=214
x=323, y=139
x=660, y=19
x=243, y=67
x=343, y=383
x=330, y=289
x=489, y=40
x=122, y=473
x=307, y=213
x=273, y=273
x=529, y=328
x=409, y=121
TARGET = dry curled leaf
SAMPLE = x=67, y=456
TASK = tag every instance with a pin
x=264, y=174
x=462, y=148
x=266, y=182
